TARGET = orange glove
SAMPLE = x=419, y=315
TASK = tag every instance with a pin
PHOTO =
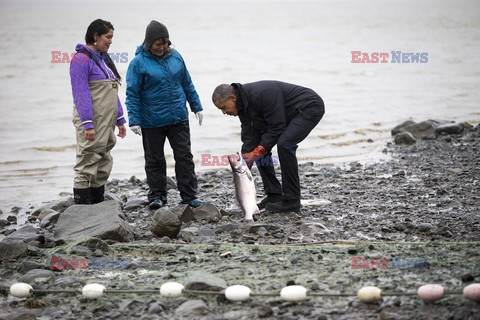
x=252, y=156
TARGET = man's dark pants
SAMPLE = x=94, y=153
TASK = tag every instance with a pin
x=156, y=167
x=296, y=131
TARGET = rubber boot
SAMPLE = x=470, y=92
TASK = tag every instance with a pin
x=96, y=194
x=80, y=196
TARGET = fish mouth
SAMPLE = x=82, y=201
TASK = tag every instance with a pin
x=236, y=162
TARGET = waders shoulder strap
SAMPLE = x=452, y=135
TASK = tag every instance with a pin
x=94, y=58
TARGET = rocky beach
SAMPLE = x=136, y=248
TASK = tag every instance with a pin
x=421, y=207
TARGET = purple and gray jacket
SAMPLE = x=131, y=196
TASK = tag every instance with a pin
x=80, y=73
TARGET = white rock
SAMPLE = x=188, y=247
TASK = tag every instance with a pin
x=171, y=289
x=93, y=290
x=21, y=290
x=369, y=294
x=315, y=202
x=294, y=293
x=238, y=293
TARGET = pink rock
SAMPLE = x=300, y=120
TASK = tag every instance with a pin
x=472, y=292
x=431, y=292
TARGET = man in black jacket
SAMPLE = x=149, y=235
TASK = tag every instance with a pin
x=272, y=113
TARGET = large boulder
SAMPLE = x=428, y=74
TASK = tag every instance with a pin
x=401, y=127
x=165, y=224
x=49, y=219
x=45, y=213
x=102, y=220
x=423, y=130
x=426, y=129
x=404, y=138
x=409, y=131
x=184, y=213
x=135, y=204
x=192, y=308
x=27, y=234
x=57, y=205
x=208, y=212
x=450, y=128
x=36, y=275
x=201, y=280
x=12, y=249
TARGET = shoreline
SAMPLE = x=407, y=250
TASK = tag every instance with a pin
x=42, y=185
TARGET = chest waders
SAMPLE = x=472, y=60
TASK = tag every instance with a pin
x=93, y=161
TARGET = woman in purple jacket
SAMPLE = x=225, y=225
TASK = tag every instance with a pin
x=95, y=81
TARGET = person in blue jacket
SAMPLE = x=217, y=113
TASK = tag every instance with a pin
x=158, y=87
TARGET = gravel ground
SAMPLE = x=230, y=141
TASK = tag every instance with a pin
x=422, y=205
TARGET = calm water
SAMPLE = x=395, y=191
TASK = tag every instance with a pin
x=304, y=42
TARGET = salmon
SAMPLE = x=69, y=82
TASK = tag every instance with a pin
x=245, y=191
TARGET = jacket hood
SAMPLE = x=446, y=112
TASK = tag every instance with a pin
x=97, y=55
x=139, y=49
x=81, y=46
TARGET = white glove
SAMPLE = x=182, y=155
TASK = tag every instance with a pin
x=136, y=130
x=199, y=116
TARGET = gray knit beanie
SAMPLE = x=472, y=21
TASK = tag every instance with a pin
x=155, y=30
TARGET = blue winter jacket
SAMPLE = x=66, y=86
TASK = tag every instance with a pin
x=157, y=90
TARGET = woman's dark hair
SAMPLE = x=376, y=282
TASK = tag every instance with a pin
x=101, y=27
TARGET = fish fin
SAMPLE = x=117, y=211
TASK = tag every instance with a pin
x=249, y=175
